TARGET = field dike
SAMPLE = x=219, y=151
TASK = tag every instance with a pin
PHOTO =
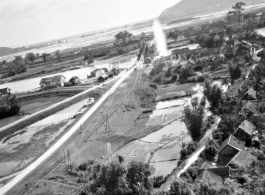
x=12, y=128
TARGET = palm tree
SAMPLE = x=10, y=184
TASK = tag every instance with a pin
x=183, y=145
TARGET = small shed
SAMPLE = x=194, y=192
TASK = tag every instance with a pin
x=242, y=159
x=54, y=81
x=244, y=131
x=102, y=78
x=229, y=148
x=250, y=95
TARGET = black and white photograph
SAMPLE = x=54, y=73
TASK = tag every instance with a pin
x=132, y=97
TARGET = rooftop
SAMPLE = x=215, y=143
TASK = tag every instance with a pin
x=242, y=159
x=251, y=107
x=252, y=93
x=233, y=142
x=247, y=126
x=52, y=79
x=206, y=165
x=208, y=176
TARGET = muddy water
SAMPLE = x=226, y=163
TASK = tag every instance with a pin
x=168, y=133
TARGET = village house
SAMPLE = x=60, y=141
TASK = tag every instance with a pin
x=251, y=94
x=208, y=176
x=229, y=148
x=234, y=17
x=242, y=159
x=51, y=82
x=102, y=78
x=242, y=48
x=244, y=131
x=250, y=108
x=184, y=52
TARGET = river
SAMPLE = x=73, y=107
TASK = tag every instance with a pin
x=33, y=83
x=261, y=31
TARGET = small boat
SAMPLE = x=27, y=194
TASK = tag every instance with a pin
x=89, y=101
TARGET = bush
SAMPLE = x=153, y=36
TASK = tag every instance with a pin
x=153, y=85
x=157, y=79
x=158, y=181
x=197, y=68
x=201, y=79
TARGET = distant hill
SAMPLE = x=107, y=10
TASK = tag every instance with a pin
x=8, y=50
x=187, y=8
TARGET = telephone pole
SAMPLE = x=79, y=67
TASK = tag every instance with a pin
x=107, y=126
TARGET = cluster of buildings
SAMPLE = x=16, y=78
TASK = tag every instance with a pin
x=234, y=17
x=234, y=155
x=99, y=75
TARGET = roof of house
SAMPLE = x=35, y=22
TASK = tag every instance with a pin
x=242, y=159
x=51, y=79
x=181, y=51
x=233, y=142
x=247, y=126
x=251, y=92
x=223, y=172
x=251, y=107
x=217, y=31
x=206, y=165
x=208, y=176
x=104, y=76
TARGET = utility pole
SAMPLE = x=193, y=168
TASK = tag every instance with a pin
x=107, y=126
x=68, y=154
x=26, y=185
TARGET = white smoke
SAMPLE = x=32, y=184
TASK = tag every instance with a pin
x=160, y=39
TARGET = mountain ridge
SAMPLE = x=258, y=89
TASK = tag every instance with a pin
x=183, y=8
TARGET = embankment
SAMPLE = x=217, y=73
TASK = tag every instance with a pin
x=40, y=94
x=12, y=128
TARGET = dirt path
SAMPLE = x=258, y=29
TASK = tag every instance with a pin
x=192, y=158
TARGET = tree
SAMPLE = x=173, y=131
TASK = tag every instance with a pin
x=238, y=7
x=123, y=38
x=213, y=94
x=89, y=57
x=168, y=73
x=44, y=57
x=138, y=174
x=234, y=70
x=105, y=179
x=31, y=56
x=58, y=55
x=193, y=118
x=211, y=188
x=179, y=188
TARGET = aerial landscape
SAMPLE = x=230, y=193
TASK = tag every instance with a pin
x=132, y=97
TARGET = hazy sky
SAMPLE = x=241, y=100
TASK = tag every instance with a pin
x=25, y=22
